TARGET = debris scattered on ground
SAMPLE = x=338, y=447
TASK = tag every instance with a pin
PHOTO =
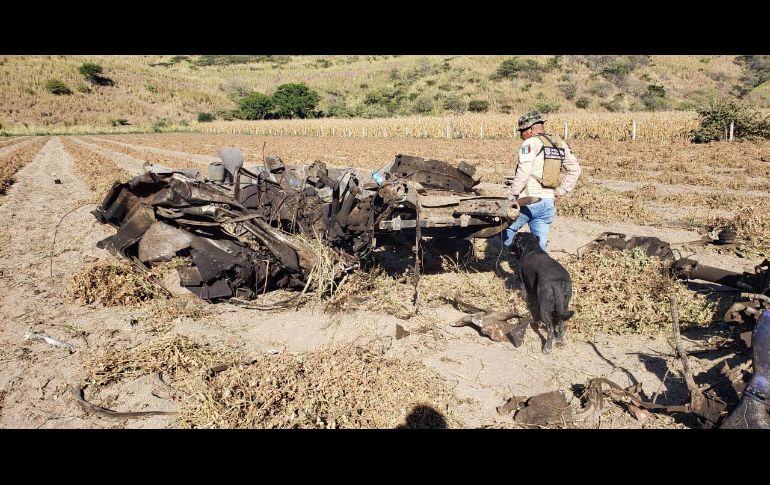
x=39, y=337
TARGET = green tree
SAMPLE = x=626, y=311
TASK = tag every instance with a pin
x=295, y=100
x=255, y=106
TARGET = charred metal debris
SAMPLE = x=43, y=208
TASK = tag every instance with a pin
x=252, y=230
x=746, y=406
x=749, y=381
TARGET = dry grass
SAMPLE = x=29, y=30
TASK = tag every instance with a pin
x=16, y=160
x=6, y=142
x=626, y=292
x=177, y=357
x=326, y=278
x=111, y=282
x=145, y=92
x=347, y=387
x=599, y=204
x=162, y=313
x=669, y=126
x=162, y=160
x=97, y=171
x=752, y=223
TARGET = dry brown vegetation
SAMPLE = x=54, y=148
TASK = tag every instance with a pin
x=6, y=142
x=752, y=224
x=14, y=161
x=344, y=387
x=626, y=292
x=99, y=172
x=594, y=203
x=112, y=282
x=154, y=158
x=147, y=88
x=669, y=126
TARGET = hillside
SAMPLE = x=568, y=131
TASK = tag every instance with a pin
x=145, y=89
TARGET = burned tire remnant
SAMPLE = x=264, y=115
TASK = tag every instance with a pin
x=252, y=230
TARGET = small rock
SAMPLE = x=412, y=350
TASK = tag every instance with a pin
x=57, y=181
x=400, y=332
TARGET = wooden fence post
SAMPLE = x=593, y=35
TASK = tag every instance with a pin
x=633, y=130
x=566, y=131
x=732, y=128
x=481, y=133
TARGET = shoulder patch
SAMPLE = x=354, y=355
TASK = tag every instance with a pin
x=525, y=149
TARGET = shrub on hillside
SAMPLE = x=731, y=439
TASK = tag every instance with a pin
x=57, y=86
x=205, y=117
x=94, y=73
x=373, y=111
x=161, y=125
x=235, y=88
x=455, y=104
x=478, y=106
x=227, y=114
x=515, y=67
x=582, y=102
x=339, y=110
x=423, y=105
x=547, y=107
x=716, y=116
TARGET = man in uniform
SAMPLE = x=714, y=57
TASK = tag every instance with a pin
x=538, y=153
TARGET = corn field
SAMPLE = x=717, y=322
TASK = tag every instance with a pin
x=659, y=126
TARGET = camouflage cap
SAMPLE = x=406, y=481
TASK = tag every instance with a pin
x=529, y=119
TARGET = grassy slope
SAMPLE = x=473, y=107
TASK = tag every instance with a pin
x=144, y=93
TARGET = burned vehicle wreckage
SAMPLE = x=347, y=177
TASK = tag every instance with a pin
x=248, y=231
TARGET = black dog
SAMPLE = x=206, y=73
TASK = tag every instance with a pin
x=546, y=285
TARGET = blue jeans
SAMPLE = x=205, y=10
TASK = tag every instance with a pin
x=539, y=216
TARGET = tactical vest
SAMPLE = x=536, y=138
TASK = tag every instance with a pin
x=553, y=158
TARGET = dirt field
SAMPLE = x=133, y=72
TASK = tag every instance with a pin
x=35, y=276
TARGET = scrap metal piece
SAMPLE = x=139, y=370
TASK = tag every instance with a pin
x=433, y=173
x=545, y=409
x=259, y=236
x=495, y=325
x=39, y=337
x=161, y=242
x=754, y=408
x=514, y=404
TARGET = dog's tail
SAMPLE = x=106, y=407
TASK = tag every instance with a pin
x=562, y=296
